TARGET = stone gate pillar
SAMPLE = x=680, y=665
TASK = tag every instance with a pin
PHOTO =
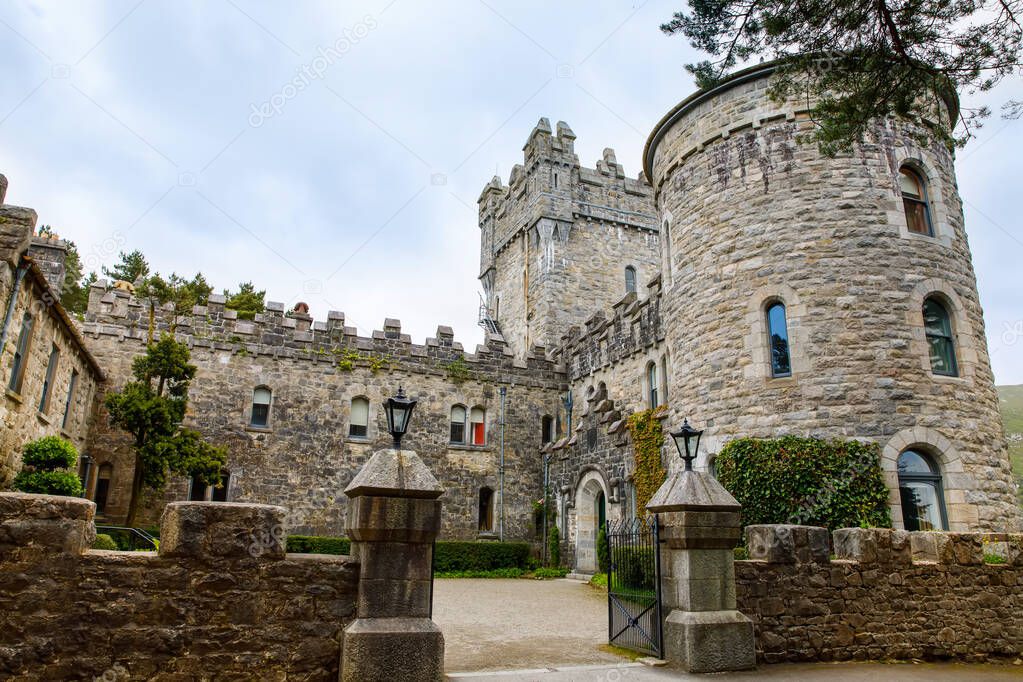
x=699, y=520
x=393, y=519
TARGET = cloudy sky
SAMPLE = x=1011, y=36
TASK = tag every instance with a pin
x=333, y=152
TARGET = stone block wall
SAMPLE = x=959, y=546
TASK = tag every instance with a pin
x=305, y=456
x=219, y=601
x=24, y=289
x=887, y=594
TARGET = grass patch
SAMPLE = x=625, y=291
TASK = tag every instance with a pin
x=624, y=653
x=599, y=580
x=546, y=573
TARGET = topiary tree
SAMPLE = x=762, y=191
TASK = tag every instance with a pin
x=553, y=547
x=603, y=550
x=48, y=461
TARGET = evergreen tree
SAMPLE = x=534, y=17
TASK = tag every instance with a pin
x=247, y=301
x=151, y=408
x=130, y=268
x=861, y=60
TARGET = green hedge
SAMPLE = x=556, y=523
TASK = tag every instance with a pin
x=634, y=569
x=47, y=461
x=807, y=481
x=453, y=556
x=104, y=541
x=317, y=544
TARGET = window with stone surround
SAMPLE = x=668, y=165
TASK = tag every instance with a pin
x=219, y=492
x=104, y=480
x=652, y=387
x=921, y=492
x=199, y=491
x=261, y=397
x=778, y=340
x=69, y=403
x=547, y=429
x=21, y=354
x=51, y=373
x=358, y=424
x=486, y=510
x=477, y=426
x=914, y=202
x=940, y=342
x=458, y=424
x=630, y=280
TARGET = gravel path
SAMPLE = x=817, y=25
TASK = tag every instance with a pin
x=515, y=624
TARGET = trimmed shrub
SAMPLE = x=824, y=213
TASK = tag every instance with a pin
x=47, y=461
x=603, y=551
x=453, y=556
x=807, y=481
x=104, y=541
x=553, y=546
x=317, y=544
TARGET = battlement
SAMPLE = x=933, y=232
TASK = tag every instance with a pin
x=294, y=335
x=633, y=326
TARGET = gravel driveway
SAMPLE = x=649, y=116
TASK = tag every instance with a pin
x=515, y=624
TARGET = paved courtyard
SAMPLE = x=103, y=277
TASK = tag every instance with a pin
x=519, y=624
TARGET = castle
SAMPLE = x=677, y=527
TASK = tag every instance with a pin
x=743, y=280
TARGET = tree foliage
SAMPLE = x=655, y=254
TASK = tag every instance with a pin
x=860, y=60
x=806, y=481
x=247, y=301
x=151, y=408
x=47, y=463
x=129, y=268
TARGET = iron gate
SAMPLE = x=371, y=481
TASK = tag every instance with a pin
x=634, y=585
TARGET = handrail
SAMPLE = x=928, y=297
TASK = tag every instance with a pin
x=134, y=534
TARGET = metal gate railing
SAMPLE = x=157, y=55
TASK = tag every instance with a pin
x=634, y=585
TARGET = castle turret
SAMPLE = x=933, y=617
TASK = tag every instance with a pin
x=829, y=296
x=557, y=240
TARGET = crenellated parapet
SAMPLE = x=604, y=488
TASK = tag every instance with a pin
x=116, y=314
x=632, y=328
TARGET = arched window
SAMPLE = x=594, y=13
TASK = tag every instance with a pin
x=940, y=344
x=260, y=407
x=21, y=353
x=651, y=378
x=547, y=429
x=923, y=503
x=103, y=481
x=358, y=424
x=630, y=280
x=778, y=337
x=914, y=201
x=486, y=509
x=477, y=426
x=458, y=424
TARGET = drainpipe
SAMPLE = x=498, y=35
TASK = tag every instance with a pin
x=504, y=393
x=18, y=277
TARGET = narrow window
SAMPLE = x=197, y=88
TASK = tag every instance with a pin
x=260, y=407
x=21, y=354
x=666, y=248
x=478, y=432
x=630, y=280
x=555, y=181
x=778, y=335
x=486, y=509
x=197, y=490
x=914, y=202
x=69, y=403
x=664, y=377
x=358, y=427
x=51, y=372
x=920, y=490
x=651, y=378
x=547, y=429
x=219, y=493
x=457, y=424
x=938, y=329
x=103, y=479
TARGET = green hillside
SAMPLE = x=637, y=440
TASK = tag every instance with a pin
x=1010, y=399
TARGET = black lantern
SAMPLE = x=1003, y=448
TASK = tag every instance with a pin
x=399, y=412
x=687, y=440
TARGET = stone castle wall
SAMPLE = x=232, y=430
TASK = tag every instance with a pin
x=754, y=216
x=887, y=595
x=556, y=240
x=20, y=414
x=305, y=457
x=206, y=605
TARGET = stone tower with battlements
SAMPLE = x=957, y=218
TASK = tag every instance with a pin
x=557, y=240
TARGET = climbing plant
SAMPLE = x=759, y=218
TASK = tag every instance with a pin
x=458, y=370
x=647, y=440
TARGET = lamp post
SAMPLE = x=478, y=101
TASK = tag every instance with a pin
x=687, y=440
x=399, y=412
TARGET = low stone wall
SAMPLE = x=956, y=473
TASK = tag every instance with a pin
x=887, y=594
x=220, y=600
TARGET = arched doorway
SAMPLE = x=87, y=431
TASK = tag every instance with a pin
x=591, y=514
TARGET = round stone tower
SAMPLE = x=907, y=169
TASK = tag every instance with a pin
x=833, y=297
